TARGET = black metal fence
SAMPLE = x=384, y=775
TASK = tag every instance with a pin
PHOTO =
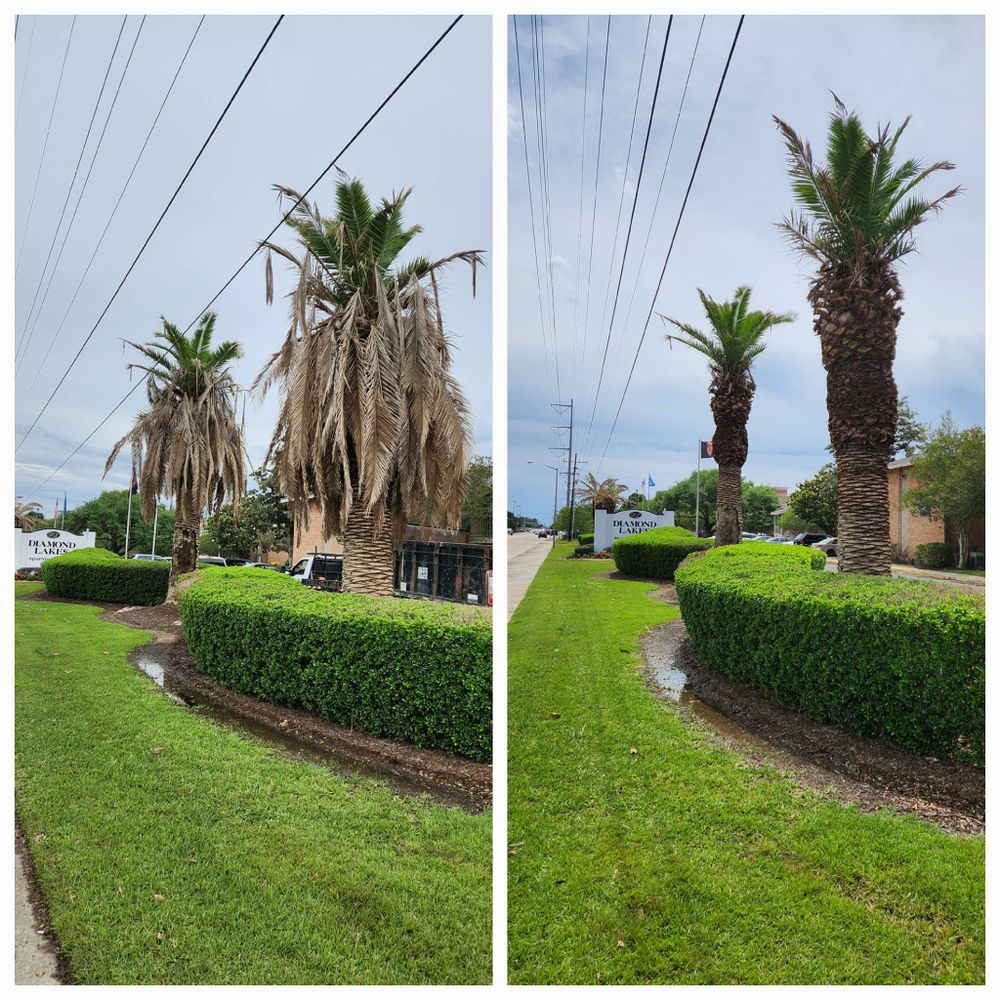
x=443, y=571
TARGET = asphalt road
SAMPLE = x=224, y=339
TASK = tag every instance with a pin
x=525, y=552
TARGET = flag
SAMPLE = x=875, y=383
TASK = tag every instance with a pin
x=643, y=485
x=706, y=449
x=134, y=488
x=652, y=485
x=55, y=515
x=64, y=507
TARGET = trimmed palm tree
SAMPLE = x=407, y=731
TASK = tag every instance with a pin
x=735, y=340
x=27, y=513
x=189, y=439
x=601, y=494
x=373, y=427
x=858, y=213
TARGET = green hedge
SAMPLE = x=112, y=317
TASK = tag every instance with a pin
x=407, y=669
x=903, y=660
x=584, y=550
x=656, y=553
x=585, y=538
x=934, y=555
x=100, y=575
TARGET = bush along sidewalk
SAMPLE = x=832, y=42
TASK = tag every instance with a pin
x=100, y=575
x=656, y=553
x=403, y=669
x=903, y=660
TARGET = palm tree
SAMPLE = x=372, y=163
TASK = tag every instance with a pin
x=602, y=494
x=27, y=513
x=373, y=426
x=735, y=341
x=857, y=219
x=189, y=442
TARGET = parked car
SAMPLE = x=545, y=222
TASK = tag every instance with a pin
x=808, y=537
x=542, y=533
x=319, y=569
x=751, y=536
x=510, y=531
x=212, y=561
x=149, y=557
x=828, y=545
x=274, y=566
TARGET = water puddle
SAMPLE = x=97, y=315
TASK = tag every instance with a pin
x=152, y=661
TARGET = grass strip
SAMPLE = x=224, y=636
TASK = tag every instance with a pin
x=171, y=850
x=641, y=853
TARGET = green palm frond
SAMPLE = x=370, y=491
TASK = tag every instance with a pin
x=850, y=206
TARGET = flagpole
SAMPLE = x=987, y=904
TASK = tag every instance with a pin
x=697, y=495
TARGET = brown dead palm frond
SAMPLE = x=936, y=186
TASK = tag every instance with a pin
x=370, y=411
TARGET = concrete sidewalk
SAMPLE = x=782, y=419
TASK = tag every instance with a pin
x=525, y=553
x=915, y=573
x=34, y=955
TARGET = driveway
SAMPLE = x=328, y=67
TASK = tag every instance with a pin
x=525, y=552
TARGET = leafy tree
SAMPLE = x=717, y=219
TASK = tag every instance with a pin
x=950, y=477
x=858, y=213
x=373, y=423
x=189, y=440
x=815, y=501
x=758, y=502
x=477, y=511
x=635, y=500
x=681, y=499
x=106, y=515
x=734, y=341
x=583, y=519
x=791, y=523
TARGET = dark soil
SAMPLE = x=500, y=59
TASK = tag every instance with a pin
x=450, y=778
x=871, y=773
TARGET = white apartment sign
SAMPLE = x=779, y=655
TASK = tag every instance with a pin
x=32, y=548
x=608, y=527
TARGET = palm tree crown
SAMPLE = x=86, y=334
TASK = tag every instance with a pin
x=27, y=513
x=859, y=207
x=189, y=441
x=603, y=493
x=371, y=414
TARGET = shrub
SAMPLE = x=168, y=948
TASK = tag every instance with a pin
x=585, y=538
x=407, y=669
x=903, y=660
x=584, y=550
x=656, y=553
x=100, y=575
x=934, y=555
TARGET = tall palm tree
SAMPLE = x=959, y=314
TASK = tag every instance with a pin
x=603, y=494
x=189, y=440
x=27, y=513
x=736, y=339
x=373, y=426
x=857, y=218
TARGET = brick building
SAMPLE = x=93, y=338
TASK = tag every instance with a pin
x=908, y=529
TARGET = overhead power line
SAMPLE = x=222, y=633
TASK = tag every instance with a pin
x=673, y=238
x=350, y=142
x=114, y=211
x=24, y=75
x=152, y=232
x=45, y=146
x=628, y=234
x=25, y=336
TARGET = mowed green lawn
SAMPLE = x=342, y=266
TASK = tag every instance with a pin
x=173, y=851
x=681, y=863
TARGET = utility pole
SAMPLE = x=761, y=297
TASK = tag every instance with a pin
x=555, y=494
x=570, y=482
x=572, y=505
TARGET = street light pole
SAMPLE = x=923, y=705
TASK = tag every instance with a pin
x=555, y=496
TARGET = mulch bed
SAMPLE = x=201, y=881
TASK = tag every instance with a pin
x=465, y=782
x=871, y=773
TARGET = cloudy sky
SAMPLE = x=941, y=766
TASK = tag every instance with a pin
x=316, y=83
x=886, y=68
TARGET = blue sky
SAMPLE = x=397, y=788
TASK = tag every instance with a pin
x=886, y=68
x=316, y=83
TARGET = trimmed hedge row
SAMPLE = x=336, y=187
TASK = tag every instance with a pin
x=100, y=575
x=585, y=538
x=405, y=669
x=903, y=660
x=656, y=553
x=934, y=555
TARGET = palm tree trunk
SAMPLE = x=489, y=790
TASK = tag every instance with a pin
x=368, y=554
x=863, y=544
x=184, y=557
x=729, y=505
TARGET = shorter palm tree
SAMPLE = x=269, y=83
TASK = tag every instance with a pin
x=27, y=513
x=601, y=494
x=189, y=440
x=735, y=341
